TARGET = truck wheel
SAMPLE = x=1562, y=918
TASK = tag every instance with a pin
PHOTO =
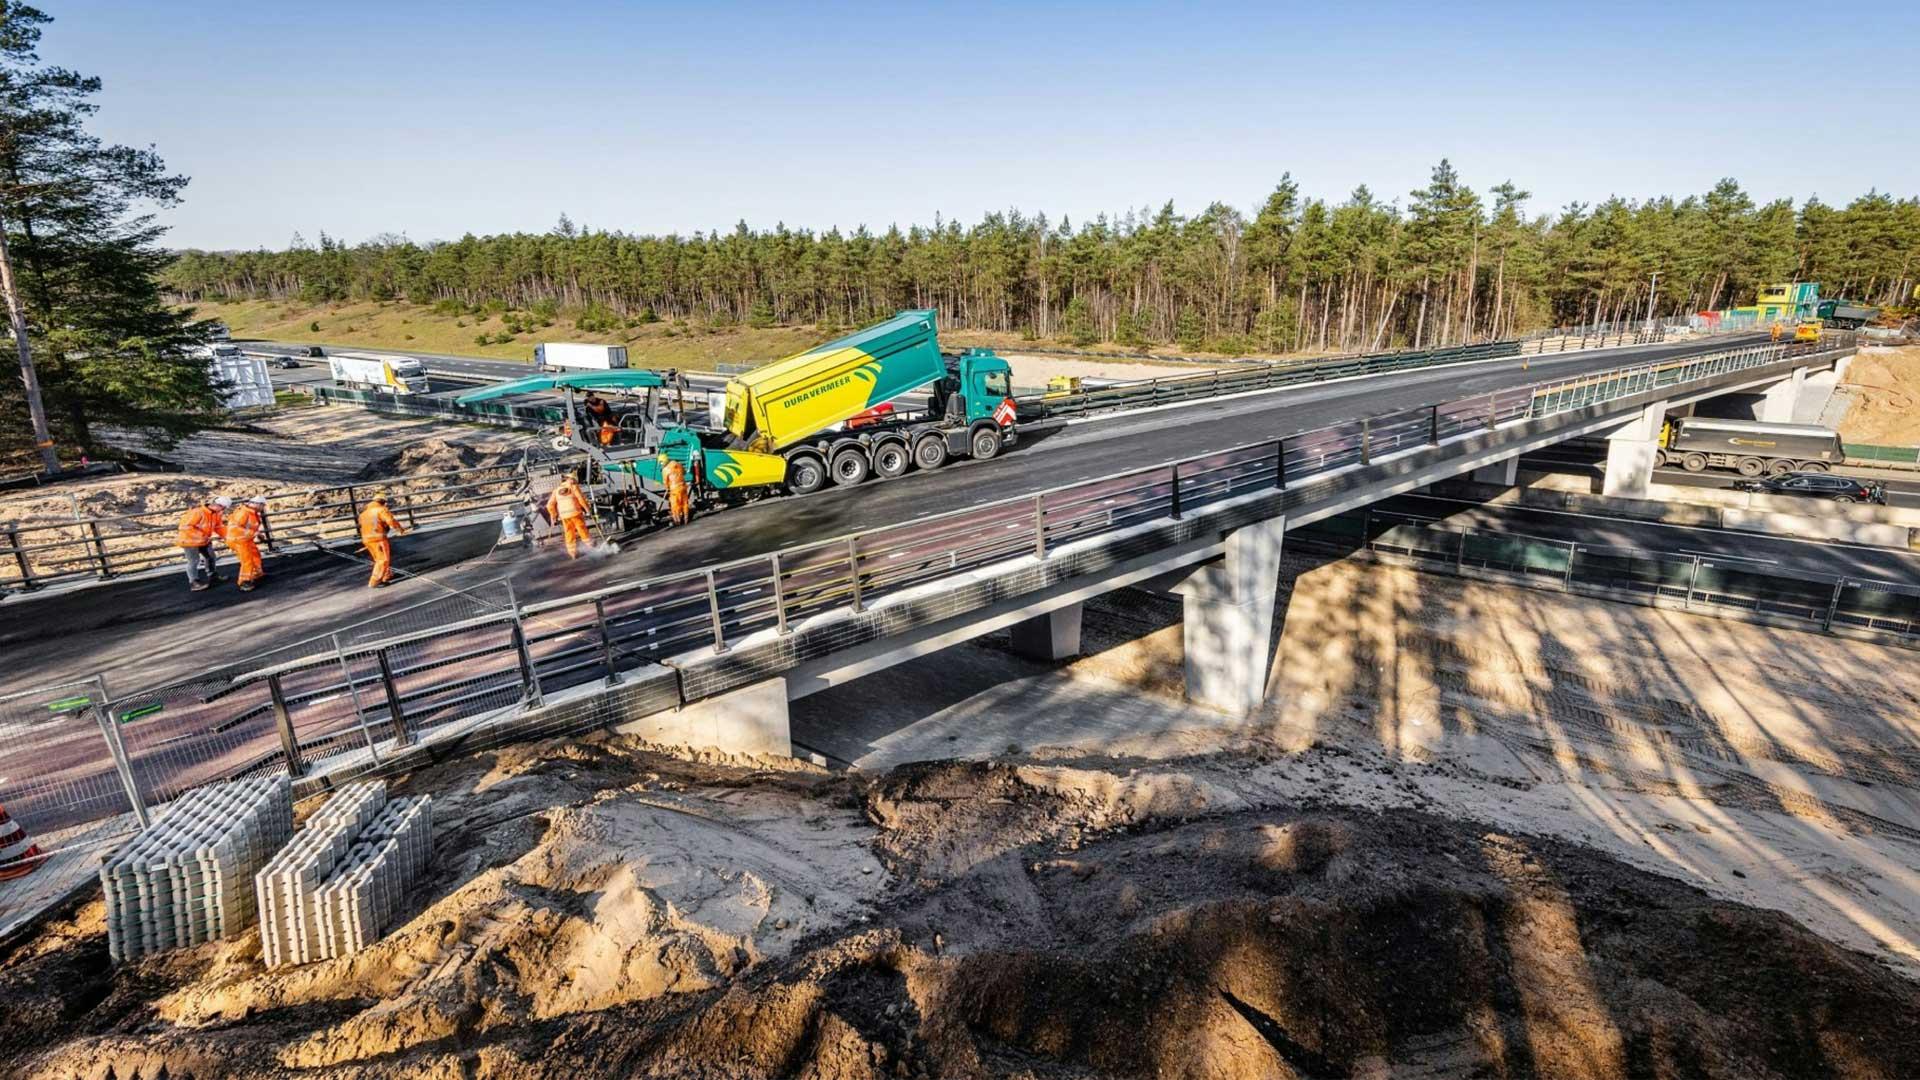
x=1694, y=462
x=806, y=475
x=1779, y=467
x=850, y=467
x=1750, y=467
x=986, y=443
x=1813, y=466
x=1660, y=459
x=890, y=459
x=930, y=452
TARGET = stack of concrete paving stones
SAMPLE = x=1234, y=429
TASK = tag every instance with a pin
x=333, y=889
x=189, y=879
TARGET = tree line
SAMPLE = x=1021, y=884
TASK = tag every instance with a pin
x=1448, y=265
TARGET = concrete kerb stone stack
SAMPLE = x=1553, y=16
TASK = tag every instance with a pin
x=333, y=890
x=190, y=878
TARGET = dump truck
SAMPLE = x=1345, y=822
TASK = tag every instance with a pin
x=798, y=408
x=1846, y=314
x=387, y=374
x=569, y=356
x=1748, y=447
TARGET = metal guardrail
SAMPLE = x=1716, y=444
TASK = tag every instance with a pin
x=35, y=554
x=380, y=693
x=1817, y=601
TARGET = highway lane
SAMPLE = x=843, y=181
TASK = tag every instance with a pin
x=1578, y=459
x=1681, y=541
x=209, y=629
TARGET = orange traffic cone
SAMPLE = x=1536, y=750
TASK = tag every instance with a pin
x=19, y=855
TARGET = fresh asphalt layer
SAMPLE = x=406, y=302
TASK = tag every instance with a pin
x=198, y=631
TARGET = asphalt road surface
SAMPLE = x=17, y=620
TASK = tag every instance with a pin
x=218, y=627
x=1681, y=541
x=1579, y=459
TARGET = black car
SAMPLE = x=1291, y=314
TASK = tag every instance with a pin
x=1819, y=485
x=313, y=350
x=284, y=362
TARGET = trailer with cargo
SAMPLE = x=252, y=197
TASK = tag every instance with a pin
x=384, y=374
x=1748, y=447
x=570, y=356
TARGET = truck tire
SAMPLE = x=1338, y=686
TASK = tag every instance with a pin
x=850, y=466
x=985, y=444
x=806, y=474
x=930, y=452
x=1750, y=467
x=1813, y=466
x=1694, y=462
x=1780, y=467
x=891, y=459
x=1660, y=459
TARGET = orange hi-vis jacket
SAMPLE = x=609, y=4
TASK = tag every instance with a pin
x=375, y=520
x=198, y=527
x=566, y=502
x=242, y=525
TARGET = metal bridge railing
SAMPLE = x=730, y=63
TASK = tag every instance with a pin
x=366, y=692
x=35, y=554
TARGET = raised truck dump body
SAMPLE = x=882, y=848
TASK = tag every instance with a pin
x=799, y=407
x=1748, y=447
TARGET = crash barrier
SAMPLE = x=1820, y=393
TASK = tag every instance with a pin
x=366, y=698
x=1883, y=456
x=35, y=554
x=1827, y=603
x=496, y=412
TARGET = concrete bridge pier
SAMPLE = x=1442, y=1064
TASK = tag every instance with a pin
x=1054, y=635
x=1779, y=402
x=1631, y=450
x=1505, y=472
x=1227, y=628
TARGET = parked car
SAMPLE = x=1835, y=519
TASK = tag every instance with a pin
x=1819, y=485
x=284, y=362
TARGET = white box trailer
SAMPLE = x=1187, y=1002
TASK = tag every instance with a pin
x=372, y=371
x=250, y=384
x=568, y=356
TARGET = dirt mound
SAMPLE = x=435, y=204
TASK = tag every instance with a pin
x=600, y=910
x=1885, y=387
x=118, y=496
x=435, y=454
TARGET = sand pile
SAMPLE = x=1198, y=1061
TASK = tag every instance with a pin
x=119, y=496
x=1885, y=387
x=435, y=454
x=596, y=909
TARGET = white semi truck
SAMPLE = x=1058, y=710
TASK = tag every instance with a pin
x=386, y=374
x=567, y=356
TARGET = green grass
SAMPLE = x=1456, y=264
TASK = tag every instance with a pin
x=409, y=327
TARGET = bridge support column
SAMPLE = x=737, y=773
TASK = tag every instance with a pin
x=1227, y=627
x=1778, y=403
x=1505, y=473
x=1053, y=636
x=1631, y=450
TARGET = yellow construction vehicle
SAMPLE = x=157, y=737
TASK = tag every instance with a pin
x=1808, y=330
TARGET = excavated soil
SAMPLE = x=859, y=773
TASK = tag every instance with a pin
x=1884, y=385
x=597, y=909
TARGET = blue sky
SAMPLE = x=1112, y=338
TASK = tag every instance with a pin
x=432, y=119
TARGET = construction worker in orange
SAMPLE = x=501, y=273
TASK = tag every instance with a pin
x=568, y=506
x=375, y=522
x=600, y=413
x=199, y=527
x=1776, y=331
x=242, y=529
x=679, y=495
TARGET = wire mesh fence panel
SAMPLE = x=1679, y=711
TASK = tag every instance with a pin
x=56, y=767
x=1415, y=540
x=1322, y=450
x=1515, y=554
x=1765, y=591
x=186, y=735
x=1394, y=432
x=566, y=645
x=1227, y=475
x=452, y=677
x=1087, y=510
x=1632, y=571
x=1879, y=606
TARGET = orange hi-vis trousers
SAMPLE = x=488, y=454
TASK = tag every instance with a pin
x=576, y=533
x=381, y=549
x=248, y=552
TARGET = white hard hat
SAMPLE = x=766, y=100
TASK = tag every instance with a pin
x=223, y=502
x=257, y=500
